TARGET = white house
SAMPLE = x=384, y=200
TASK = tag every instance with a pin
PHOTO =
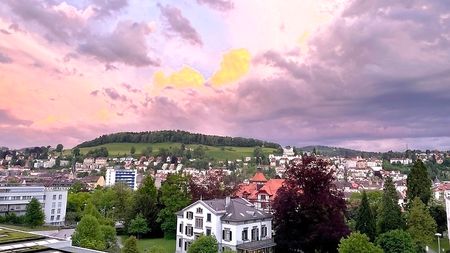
x=14, y=199
x=235, y=223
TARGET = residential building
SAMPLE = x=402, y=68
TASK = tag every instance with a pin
x=14, y=199
x=235, y=223
x=260, y=191
x=128, y=177
x=93, y=182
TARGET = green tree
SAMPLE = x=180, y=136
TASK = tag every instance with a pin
x=390, y=214
x=146, y=203
x=358, y=243
x=138, y=226
x=88, y=234
x=59, y=148
x=396, y=241
x=147, y=151
x=109, y=237
x=174, y=197
x=419, y=183
x=199, y=152
x=204, y=244
x=76, y=152
x=34, y=215
x=421, y=226
x=259, y=155
x=365, y=220
x=132, y=150
x=130, y=245
x=440, y=216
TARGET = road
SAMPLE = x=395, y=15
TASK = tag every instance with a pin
x=61, y=234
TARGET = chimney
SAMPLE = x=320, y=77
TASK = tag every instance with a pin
x=227, y=201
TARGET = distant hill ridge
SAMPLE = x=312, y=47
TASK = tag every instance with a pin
x=336, y=151
x=176, y=136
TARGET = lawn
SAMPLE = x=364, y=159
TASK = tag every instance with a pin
x=7, y=236
x=143, y=244
x=444, y=245
x=24, y=228
x=218, y=153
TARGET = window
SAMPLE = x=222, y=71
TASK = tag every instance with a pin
x=227, y=235
x=54, y=196
x=58, y=217
x=263, y=231
x=60, y=196
x=53, y=211
x=198, y=222
x=53, y=205
x=263, y=197
x=208, y=217
x=208, y=231
x=189, y=230
x=189, y=215
x=58, y=211
x=255, y=234
x=181, y=228
x=245, y=234
x=180, y=243
x=199, y=210
x=59, y=204
x=52, y=217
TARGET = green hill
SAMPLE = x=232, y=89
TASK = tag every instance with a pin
x=336, y=151
x=217, y=153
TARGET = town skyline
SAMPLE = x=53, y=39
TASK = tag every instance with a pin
x=368, y=76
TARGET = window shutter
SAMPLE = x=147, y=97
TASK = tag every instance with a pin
x=231, y=237
x=223, y=234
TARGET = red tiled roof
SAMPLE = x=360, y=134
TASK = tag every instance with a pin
x=271, y=187
x=258, y=177
x=247, y=191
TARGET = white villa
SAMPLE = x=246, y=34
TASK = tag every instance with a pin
x=236, y=224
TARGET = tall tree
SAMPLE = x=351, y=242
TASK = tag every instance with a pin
x=88, y=234
x=421, y=225
x=396, y=241
x=109, y=237
x=138, y=226
x=309, y=210
x=146, y=203
x=440, y=216
x=390, y=214
x=204, y=244
x=34, y=215
x=211, y=186
x=59, y=148
x=358, y=243
x=132, y=150
x=419, y=183
x=130, y=245
x=365, y=220
x=174, y=197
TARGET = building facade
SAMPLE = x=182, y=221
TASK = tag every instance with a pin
x=235, y=223
x=128, y=177
x=53, y=199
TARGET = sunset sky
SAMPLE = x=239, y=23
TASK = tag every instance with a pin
x=369, y=74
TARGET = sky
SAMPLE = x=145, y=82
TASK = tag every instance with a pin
x=363, y=74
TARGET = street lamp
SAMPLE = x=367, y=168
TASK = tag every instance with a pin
x=439, y=241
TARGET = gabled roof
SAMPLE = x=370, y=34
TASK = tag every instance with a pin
x=272, y=186
x=258, y=177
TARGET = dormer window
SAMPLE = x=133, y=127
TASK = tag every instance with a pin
x=199, y=210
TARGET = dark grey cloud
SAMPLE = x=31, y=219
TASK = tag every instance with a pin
x=119, y=47
x=220, y=5
x=178, y=25
x=6, y=118
x=5, y=59
x=114, y=95
x=108, y=7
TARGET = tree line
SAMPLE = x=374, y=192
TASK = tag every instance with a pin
x=176, y=136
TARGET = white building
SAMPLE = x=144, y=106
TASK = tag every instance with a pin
x=402, y=161
x=14, y=199
x=235, y=223
x=128, y=177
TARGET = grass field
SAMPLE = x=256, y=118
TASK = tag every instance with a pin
x=167, y=245
x=217, y=153
x=445, y=245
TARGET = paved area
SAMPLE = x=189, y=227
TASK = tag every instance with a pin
x=64, y=234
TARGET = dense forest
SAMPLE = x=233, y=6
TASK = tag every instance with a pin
x=342, y=152
x=177, y=136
